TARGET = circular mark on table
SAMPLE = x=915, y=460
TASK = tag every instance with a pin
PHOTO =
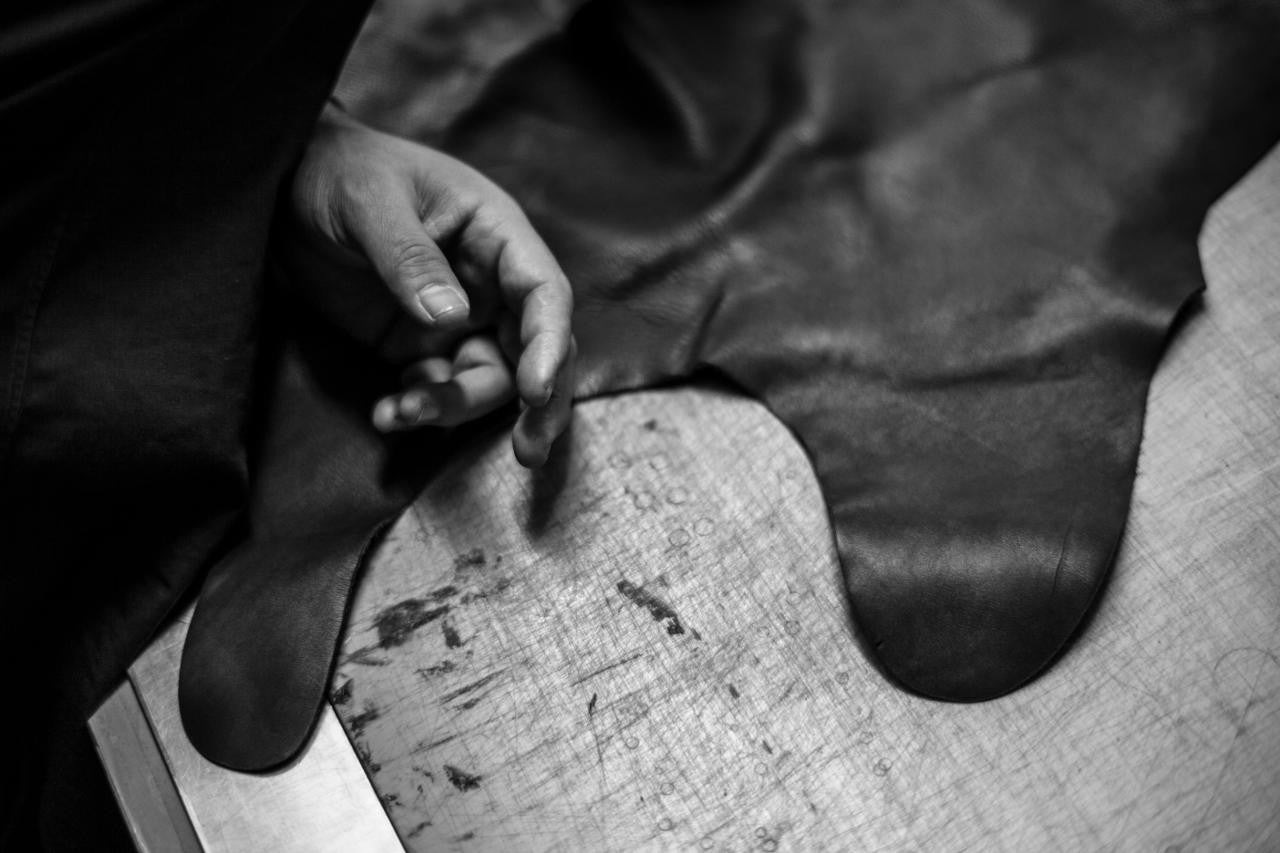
x=620, y=460
x=679, y=537
x=666, y=824
x=866, y=736
x=642, y=500
x=761, y=769
x=631, y=743
x=882, y=767
x=791, y=626
x=842, y=678
x=703, y=526
x=659, y=462
x=769, y=845
x=677, y=496
x=667, y=789
x=761, y=832
x=706, y=843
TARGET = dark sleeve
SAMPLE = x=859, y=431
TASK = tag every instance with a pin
x=142, y=147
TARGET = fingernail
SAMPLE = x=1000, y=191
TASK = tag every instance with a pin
x=416, y=408
x=385, y=414
x=439, y=301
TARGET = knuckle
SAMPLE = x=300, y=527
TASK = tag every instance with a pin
x=419, y=264
x=354, y=190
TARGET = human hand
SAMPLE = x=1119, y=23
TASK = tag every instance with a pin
x=429, y=263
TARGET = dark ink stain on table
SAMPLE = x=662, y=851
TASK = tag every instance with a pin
x=342, y=695
x=651, y=425
x=364, y=718
x=417, y=830
x=658, y=609
x=442, y=593
x=397, y=623
x=437, y=669
x=591, y=706
x=733, y=691
x=451, y=637
x=767, y=748
x=461, y=779
x=466, y=836
x=366, y=756
x=470, y=560
x=365, y=657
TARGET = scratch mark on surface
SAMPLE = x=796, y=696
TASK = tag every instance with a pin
x=595, y=735
x=423, y=747
x=658, y=609
x=628, y=659
x=500, y=586
x=475, y=685
x=1241, y=727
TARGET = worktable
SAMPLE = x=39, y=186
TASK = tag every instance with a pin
x=647, y=647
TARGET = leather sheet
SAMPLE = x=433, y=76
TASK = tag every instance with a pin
x=944, y=242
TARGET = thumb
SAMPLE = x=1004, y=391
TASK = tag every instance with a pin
x=387, y=228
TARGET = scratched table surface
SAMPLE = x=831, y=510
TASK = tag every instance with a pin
x=647, y=647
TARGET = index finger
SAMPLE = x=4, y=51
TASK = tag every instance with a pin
x=537, y=291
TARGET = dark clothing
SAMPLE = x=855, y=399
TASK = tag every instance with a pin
x=144, y=146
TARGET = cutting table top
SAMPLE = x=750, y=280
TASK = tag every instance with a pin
x=647, y=646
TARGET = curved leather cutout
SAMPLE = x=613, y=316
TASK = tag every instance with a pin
x=260, y=648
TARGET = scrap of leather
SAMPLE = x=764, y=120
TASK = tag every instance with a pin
x=944, y=242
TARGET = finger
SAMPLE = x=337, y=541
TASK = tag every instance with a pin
x=539, y=427
x=427, y=371
x=385, y=224
x=536, y=290
x=480, y=382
